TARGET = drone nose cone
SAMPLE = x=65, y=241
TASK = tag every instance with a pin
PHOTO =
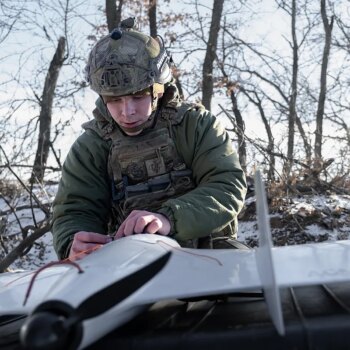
x=43, y=330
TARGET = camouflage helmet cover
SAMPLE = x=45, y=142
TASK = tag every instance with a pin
x=126, y=61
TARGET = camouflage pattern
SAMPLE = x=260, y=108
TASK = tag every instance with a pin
x=83, y=200
x=147, y=170
x=125, y=62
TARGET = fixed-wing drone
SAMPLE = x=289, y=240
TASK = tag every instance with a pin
x=73, y=306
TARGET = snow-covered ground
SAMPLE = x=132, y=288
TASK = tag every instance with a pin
x=296, y=220
x=42, y=251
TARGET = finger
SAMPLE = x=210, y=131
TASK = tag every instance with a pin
x=92, y=237
x=77, y=254
x=143, y=222
x=135, y=213
x=75, y=257
x=131, y=222
x=120, y=231
x=84, y=247
x=119, y=234
x=129, y=228
x=154, y=226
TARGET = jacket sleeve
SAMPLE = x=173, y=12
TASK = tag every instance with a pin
x=220, y=181
x=82, y=202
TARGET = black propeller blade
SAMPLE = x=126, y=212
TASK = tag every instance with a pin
x=118, y=291
x=56, y=325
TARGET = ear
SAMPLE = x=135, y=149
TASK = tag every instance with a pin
x=160, y=94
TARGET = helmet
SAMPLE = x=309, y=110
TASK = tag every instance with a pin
x=127, y=61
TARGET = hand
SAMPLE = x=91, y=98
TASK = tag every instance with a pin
x=85, y=242
x=141, y=221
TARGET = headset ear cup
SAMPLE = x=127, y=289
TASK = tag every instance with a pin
x=165, y=75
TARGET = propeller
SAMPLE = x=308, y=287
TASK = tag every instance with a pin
x=56, y=325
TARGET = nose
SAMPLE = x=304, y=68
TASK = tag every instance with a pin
x=128, y=109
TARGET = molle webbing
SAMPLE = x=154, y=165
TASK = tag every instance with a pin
x=146, y=170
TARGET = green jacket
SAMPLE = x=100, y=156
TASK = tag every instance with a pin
x=83, y=200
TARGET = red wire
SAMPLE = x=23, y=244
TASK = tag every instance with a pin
x=68, y=261
x=52, y=263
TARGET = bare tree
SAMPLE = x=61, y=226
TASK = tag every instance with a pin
x=210, y=55
x=9, y=15
x=294, y=89
x=45, y=116
x=152, y=15
x=343, y=40
x=113, y=13
x=242, y=147
x=39, y=91
x=34, y=92
x=328, y=27
x=232, y=89
x=254, y=98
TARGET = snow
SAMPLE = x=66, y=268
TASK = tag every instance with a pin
x=318, y=234
x=296, y=220
x=247, y=229
x=42, y=250
x=331, y=202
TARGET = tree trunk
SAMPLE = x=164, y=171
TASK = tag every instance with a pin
x=152, y=15
x=271, y=142
x=45, y=115
x=113, y=13
x=293, y=96
x=242, y=147
x=323, y=81
x=307, y=145
x=208, y=82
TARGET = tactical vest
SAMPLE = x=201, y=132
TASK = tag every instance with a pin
x=145, y=170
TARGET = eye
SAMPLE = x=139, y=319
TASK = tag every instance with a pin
x=115, y=100
x=138, y=97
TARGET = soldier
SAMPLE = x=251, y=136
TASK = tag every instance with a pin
x=147, y=162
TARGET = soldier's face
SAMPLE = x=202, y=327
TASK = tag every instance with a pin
x=130, y=112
